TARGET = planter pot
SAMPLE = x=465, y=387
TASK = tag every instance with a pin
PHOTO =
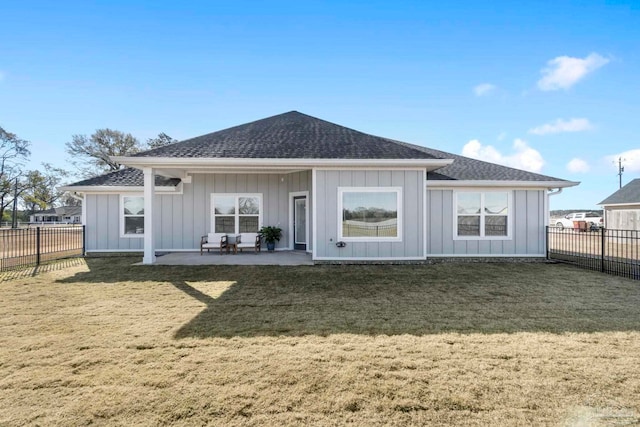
x=271, y=246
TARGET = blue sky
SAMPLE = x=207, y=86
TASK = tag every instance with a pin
x=547, y=86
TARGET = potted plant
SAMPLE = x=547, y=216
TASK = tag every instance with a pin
x=271, y=235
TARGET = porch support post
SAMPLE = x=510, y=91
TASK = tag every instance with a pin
x=149, y=241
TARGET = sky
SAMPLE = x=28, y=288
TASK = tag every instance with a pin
x=550, y=87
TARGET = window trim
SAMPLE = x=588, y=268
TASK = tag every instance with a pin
x=122, y=216
x=397, y=190
x=237, y=214
x=482, y=193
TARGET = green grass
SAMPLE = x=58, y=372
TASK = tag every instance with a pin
x=108, y=343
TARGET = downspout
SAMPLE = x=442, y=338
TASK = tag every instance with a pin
x=550, y=193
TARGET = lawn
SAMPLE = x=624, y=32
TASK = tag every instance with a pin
x=103, y=342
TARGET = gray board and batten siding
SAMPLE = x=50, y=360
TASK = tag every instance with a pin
x=622, y=217
x=527, y=238
x=181, y=219
x=411, y=245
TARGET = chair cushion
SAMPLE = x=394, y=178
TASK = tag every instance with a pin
x=249, y=238
x=214, y=239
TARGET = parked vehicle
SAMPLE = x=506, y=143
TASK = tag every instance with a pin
x=593, y=220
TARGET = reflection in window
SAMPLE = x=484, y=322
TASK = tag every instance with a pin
x=482, y=214
x=370, y=214
x=133, y=215
x=234, y=214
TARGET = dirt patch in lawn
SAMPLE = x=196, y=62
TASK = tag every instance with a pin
x=104, y=342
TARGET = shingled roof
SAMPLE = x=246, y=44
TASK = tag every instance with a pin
x=291, y=135
x=294, y=135
x=467, y=169
x=629, y=194
x=128, y=177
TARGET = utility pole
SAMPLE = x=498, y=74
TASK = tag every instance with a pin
x=14, y=214
x=620, y=170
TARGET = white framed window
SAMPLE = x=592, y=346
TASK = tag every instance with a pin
x=131, y=215
x=482, y=215
x=370, y=214
x=236, y=213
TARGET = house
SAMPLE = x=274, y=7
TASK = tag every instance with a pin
x=61, y=215
x=339, y=194
x=622, y=208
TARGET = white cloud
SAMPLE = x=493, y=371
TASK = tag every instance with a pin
x=630, y=160
x=578, y=166
x=560, y=125
x=484, y=89
x=523, y=157
x=565, y=71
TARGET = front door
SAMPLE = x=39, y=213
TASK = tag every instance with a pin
x=300, y=222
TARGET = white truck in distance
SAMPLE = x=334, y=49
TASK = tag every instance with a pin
x=591, y=218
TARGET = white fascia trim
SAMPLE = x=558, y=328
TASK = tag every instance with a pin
x=487, y=256
x=491, y=184
x=369, y=259
x=619, y=204
x=216, y=162
x=120, y=189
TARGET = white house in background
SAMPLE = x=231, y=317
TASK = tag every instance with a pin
x=340, y=194
x=622, y=208
x=61, y=215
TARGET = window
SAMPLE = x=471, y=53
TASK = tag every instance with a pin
x=236, y=213
x=132, y=216
x=370, y=214
x=482, y=215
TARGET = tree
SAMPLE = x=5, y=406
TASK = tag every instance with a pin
x=13, y=153
x=92, y=155
x=160, y=141
x=40, y=189
x=68, y=200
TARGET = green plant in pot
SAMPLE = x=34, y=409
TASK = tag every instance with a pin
x=271, y=235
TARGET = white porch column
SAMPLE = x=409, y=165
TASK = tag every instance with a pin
x=149, y=241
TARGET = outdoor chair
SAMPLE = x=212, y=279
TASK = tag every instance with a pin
x=251, y=241
x=213, y=241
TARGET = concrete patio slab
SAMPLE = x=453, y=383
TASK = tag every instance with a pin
x=241, y=258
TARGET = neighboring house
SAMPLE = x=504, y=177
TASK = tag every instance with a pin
x=63, y=214
x=337, y=193
x=622, y=208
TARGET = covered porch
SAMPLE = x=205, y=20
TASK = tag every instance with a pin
x=241, y=258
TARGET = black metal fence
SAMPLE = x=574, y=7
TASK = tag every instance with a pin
x=22, y=247
x=615, y=252
x=369, y=230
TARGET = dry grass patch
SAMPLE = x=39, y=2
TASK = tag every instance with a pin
x=107, y=343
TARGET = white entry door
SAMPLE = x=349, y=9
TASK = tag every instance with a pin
x=300, y=222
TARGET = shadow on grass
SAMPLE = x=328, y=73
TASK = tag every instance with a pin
x=391, y=300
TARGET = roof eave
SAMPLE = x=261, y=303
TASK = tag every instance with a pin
x=277, y=163
x=116, y=188
x=499, y=183
x=618, y=204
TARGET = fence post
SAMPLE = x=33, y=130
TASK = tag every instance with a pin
x=602, y=246
x=84, y=247
x=546, y=240
x=37, y=245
